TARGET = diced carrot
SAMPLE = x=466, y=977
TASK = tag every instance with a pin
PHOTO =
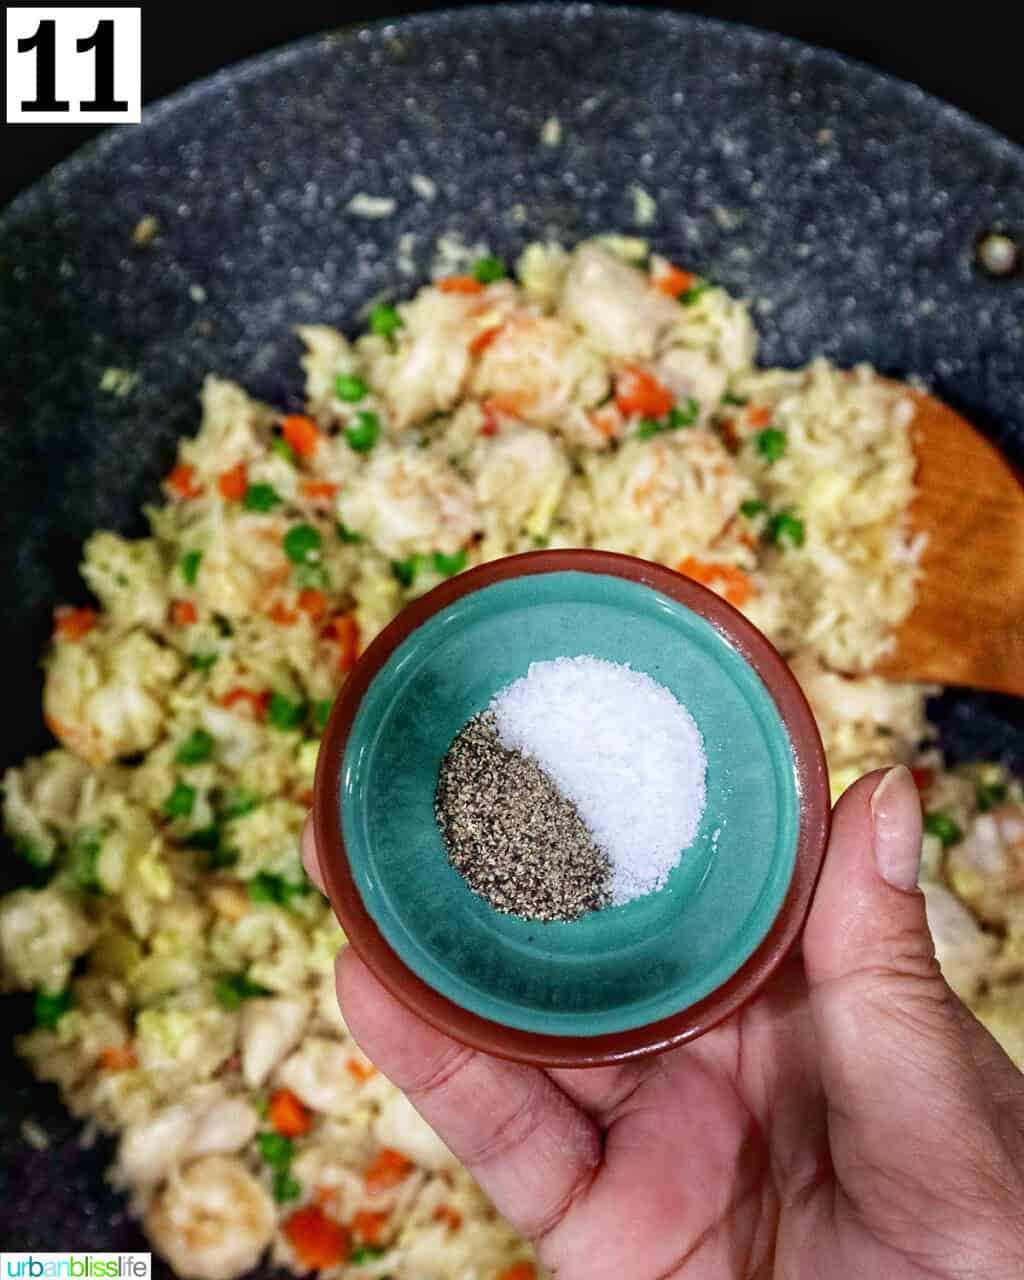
x=726, y=579
x=511, y=405
x=390, y=1168
x=484, y=339
x=519, y=1271
x=496, y=407
x=302, y=434
x=282, y=615
x=257, y=702
x=74, y=624
x=637, y=391
x=184, y=613
x=119, y=1057
x=361, y=1070
x=287, y=1114
x=55, y=726
x=233, y=483
x=317, y=1240
x=674, y=281
x=345, y=631
x=459, y=284
x=183, y=482
x=607, y=421
x=449, y=1216
x=313, y=602
x=922, y=777
x=319, y=490
x=369, y=1227
x=759, y=415
x=327, y=1197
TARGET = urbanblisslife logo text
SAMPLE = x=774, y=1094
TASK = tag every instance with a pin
x=75, y=1266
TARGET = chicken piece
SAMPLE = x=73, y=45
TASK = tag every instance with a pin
x=963, y=949
x=243, y=562
x=539, y=369
x=660, y=499
x=329, y=1166
x=212, y=1220
x=987, y=867
x=129, y=578
x=520, y=476
x=615, y=305
x=318, y=1074
x=40, y=796
x=42, y=932
x=184, y=1044
x=207, y=1121
x=109, y=701
x=399, y=1125
x=270, y=1030
x=235, y=428
x=692, y=374
x=410, y=501
x=426, y=371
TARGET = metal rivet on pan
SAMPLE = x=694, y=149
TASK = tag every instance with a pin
x=998, y=253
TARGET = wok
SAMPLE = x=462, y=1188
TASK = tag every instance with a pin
x=848, y=204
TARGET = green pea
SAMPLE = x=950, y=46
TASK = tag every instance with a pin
x=302, y=544
x=363, y=432
x=349, y=388
x=771, y=443
x=489, y=269
x=196, y=748
x=384, y=320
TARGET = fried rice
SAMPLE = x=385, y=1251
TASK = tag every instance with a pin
x=182, y=966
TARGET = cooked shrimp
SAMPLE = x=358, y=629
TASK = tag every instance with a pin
x=318, y=1073
x=212, y=1220
x=269, y=1029
x=400, y=1125
x=411, y=501
x=539, y=369
x=615, y=306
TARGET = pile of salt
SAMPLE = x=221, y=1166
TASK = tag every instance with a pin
x=620, y=747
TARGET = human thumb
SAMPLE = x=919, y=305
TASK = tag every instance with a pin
x=895, y=1061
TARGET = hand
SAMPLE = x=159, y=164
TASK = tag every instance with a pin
x=854, y=1120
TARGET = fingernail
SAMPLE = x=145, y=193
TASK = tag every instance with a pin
x=896, y=823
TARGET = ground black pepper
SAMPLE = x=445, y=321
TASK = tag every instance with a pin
x=510, y=833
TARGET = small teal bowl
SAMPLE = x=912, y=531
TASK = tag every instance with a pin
x=617, y=983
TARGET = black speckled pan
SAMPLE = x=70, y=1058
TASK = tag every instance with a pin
x=845, y=203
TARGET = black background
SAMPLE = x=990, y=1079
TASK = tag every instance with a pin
x=968, y=55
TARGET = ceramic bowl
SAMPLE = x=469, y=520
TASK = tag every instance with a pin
x=629, y=979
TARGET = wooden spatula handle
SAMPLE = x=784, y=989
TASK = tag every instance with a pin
x=967, y=627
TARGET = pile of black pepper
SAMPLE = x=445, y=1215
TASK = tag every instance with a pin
x=511, y=835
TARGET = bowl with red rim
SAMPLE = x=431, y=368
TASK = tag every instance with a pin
x=628, y=980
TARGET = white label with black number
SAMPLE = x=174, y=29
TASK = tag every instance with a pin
x=73, y=66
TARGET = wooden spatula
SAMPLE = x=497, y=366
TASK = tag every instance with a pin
x=967, y=627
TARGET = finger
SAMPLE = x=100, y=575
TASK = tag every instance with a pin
x=899, y=1077
x=309, y=858
x=601, y=1091
x=531, y=1149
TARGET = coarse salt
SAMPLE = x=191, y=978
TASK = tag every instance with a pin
x=621, y=748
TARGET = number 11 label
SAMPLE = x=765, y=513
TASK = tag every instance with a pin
x=74, y=65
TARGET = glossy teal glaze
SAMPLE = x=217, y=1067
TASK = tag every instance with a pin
x=611, y=970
